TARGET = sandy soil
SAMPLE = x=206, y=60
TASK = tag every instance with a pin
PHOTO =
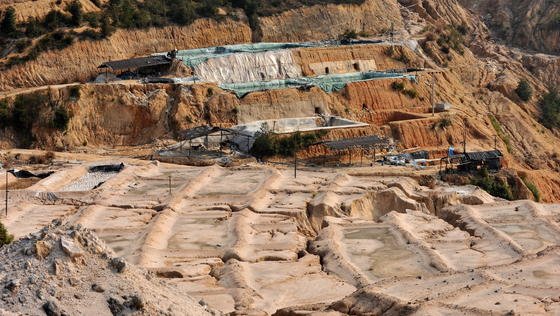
x=254, y=239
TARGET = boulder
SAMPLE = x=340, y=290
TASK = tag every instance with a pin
x=70, y=247
x=42, y=249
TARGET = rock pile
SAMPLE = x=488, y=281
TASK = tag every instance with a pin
x=67, y=270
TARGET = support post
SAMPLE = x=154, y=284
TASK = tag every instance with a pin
x=295, y=163
x=169, y=185
x=6, y=191
x=432, y=97
x=350, y=152
x=361, y=156
x=465, y=136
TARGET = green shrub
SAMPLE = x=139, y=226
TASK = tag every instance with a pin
x=493, y=185
x=443, y=122
x=533, y=188
x=503, y=136
x=24, y=113
x=397, y=86
x=106, y=27
x=268, y=144
x=61, y=118
x=550, y=109
x=5, y=237
x=92, y=18
x=4, y=113
x=524, y=90
x=348, y=35
x=75, y=10
x=34, y=27
x=54, y=20
x=397, y=54
x=411, y=93
x=74, y=92
x=8, y=25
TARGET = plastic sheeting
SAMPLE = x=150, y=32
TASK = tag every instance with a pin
x=194, y=57
x=327, y=83
x=249, y=67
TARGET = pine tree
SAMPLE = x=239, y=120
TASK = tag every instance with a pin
x=8, y=24
x=75, y=9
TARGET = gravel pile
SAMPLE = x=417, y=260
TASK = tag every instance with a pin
x=89, y=181
x=68, y=270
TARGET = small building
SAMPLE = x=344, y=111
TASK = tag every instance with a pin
x=479, y=159
x=443, y=107
x=142, y=66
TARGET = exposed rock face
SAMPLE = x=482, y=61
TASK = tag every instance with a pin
x=526, y=23
x=329, y=21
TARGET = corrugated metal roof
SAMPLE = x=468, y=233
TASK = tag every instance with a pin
x=135, y=63
x=204, y=130
x=364, y=142
x=483, y=155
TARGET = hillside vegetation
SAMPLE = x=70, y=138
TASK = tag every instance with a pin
x=58, y=28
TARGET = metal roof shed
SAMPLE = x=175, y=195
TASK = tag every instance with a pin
x=135, y=63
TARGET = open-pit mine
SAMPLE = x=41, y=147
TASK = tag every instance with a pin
x=254, y=239
x=288, y=158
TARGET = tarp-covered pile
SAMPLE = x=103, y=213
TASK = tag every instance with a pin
x=327, y=83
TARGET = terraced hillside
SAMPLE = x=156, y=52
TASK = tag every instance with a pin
x=254, y=239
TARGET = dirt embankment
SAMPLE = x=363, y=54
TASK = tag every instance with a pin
x=527, y=24
x=79, y=61
x=330, y=21
x=317, y=61
x=26, y=9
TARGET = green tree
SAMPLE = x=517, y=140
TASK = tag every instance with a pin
x=75, y=9
x=524, y=90
x=550, y=109
x=4, y=113
x=106, y=28
x=348, y=35
x=8, y=24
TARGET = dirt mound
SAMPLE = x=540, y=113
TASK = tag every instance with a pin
x=63, y=269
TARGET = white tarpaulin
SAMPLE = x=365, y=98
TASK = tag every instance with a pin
x=249, y=67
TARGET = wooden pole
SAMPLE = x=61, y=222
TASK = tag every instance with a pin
x=465, y=136
x=169, y=185
x=6, y=191
x=295, y=163
x=432, y=99
x=361, y=156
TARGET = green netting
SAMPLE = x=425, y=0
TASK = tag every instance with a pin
x=193, y=57
x=327, y=83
